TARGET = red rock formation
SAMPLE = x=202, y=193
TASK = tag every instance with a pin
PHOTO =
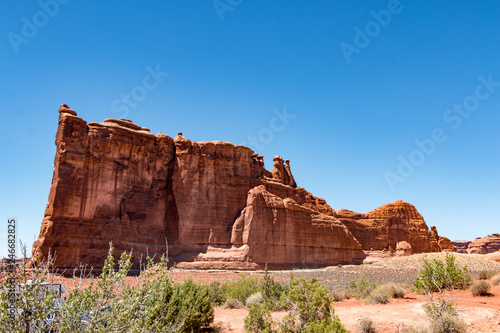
x=117, y=182
x=385, y=226
x=484, y=245
x=445, y=245
x=214, y=203
x=461, y=245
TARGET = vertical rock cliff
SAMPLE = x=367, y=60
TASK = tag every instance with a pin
x=213, y=203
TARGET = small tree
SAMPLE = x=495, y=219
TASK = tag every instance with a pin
x=436, y=275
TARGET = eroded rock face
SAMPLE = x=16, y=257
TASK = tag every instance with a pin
x=484, y=245
x=213, y=203
x=287, y=233
x=461, y=245
x=385, y=226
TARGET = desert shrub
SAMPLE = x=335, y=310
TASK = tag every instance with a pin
x=30, y=302
x=232, y=303
x=253, y=299
x=448, y=323
x=192, y=303
x=436, y=275
x=361, y=287
x=495, y=280
x=481, y=288
x=443, y=317
x=152, y=304
x=215, y=292
x=486, y=274
x=240, y=288
x=383, y=294
x=273, y=292
x=378, y=296
x=310, y=309
x=259, y=319
x=398, y=291
x=340, y=295
x=366, y=326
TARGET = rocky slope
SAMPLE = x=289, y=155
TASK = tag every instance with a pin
x=213, y=203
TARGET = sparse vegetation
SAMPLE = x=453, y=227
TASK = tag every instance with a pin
x=259, y=319
x=384, y=293
x=108, y=303
x=365, y=325
x=340, y=294
x=240, y=288
x=309, y=307
x=361, y=287
x=448, y=323
x=481, y=288
x=495, y=280
x=436, y=275
x=486, y=274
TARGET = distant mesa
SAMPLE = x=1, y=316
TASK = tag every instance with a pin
x=212, y=202
x=481, y=245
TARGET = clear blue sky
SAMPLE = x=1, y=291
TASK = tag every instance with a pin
x=363, y=80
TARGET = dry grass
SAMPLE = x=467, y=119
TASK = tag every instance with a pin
x=481, y=288
x=495, y=280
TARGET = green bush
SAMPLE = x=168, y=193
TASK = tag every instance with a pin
x=310, y=309
x=495, y=280
x=436, y=275
x=215, y=292
x=259, y=319
x=481, y=288
x=240, y=288
x=361, y=287
x=31, y=302
x=273, y=292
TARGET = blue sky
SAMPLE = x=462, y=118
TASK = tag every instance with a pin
x=354, y=85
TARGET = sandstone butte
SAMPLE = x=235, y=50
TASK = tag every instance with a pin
x=213, y=204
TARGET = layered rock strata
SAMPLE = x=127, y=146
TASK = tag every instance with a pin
x=212, y=204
